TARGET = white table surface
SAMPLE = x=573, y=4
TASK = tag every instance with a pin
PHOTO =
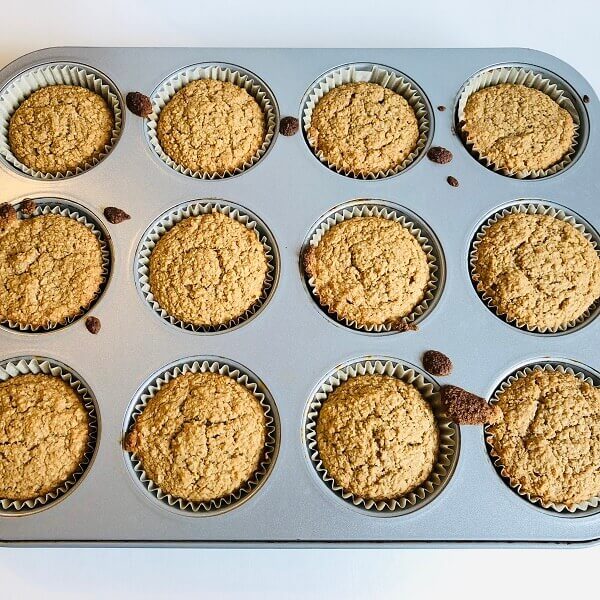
x=569, y=30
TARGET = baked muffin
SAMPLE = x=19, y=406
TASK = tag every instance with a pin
x=50, y=269
x=211, y=126
x=369, y=270
x=537, y=269
x=201, y=437
x=364, y=128
x=44, y=434
x=517, y=128
x=60, y=128
x=377, y=437
x=208, y=270
x=548, y=439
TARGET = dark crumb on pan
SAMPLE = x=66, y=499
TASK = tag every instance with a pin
x=441, y=108
x=130, y=442
x=452, y=181
x=308, y=261
x=139, y=104
x=27, y=206
x=93, y=324
x=115, y=215
x=8, y=215
x=439, y=155
x=437, y=363
x=288, y=126
x=403, y=325
x=586, y=98
x=466, y=408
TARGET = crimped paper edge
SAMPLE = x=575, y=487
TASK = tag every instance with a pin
x=593, y=502
x=176, y=216
x=77, y=75
x=389, y=79
x=21, y=366
x=448, y=434
x=270, y=447
x=376, y=210
x=531, y=208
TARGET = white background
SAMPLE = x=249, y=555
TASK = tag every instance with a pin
x=571, y=30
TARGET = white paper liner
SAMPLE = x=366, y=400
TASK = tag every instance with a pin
x=24, y=85
x=22, y=366
x=194, y=209
x=254, y=86
x=54, y=207
x=265, y=465
x=528, y=78
x=376, y=210
x=369, y=73
x=448, y=434
x=515, y=485
x=533, y=208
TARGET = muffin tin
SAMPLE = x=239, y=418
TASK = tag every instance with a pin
x=291, y=346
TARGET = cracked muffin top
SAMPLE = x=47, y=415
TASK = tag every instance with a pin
x=370, y=270
x=60, y=128
x=201, y=437
x=50, y=269
x=43, y=435
x=364, y=128
x=537, y=269
x=548, y=438
x=377, y=437
x=211, y=126
x=518, y=128
x=208, y=270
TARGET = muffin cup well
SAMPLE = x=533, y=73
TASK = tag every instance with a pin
x=367, y=209
x=221, y=72
x=531, y=79
x=593, y=502
x=51, y=206
x=389, y=79
x=533, y=208
x=246, y=379
x=448, y=432
x=193, y=209
x=22, y=366
x=22, y=86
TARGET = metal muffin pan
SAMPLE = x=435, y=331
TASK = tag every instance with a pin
x=291, y=345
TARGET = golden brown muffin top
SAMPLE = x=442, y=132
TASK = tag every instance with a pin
x=548, y=438
x=377, y=437
x=364, y=128
x=201, y=437
x=59, y=128
x=538, y=269
x=43, y=435
x=208, y=270
x=518, y=128
x=211, y=126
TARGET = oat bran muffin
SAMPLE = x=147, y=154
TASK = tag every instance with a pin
x=208, y=270
x=549, y=436
x=60, y=128
x=211, y=126
x=50, y=269
x=364, y=128
x=537, y=269
x=370, y=270
x=377, y=437
x=44, y=432
x=201, y=437
x=517, y=128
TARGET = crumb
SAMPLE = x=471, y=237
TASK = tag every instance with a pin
x=437, y=363
x=466, y=408
x=131, y=441
x=139, y=104
x=452, y=181
x=441, y=108
x=308, y=261
x=8, y=215
x=586, y=98
x=403, y=325
x=288, y=126
x=27, y=206
x=93, y=324
x=115, y=215
x=439, y=155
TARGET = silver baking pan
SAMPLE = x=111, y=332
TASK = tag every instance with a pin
x=290, y=345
